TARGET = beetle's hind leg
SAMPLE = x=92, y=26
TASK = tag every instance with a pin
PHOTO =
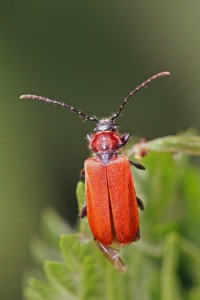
x=137, y=236
x=113, y=255
x=140, y=203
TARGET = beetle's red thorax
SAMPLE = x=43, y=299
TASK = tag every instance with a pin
x=105, y=141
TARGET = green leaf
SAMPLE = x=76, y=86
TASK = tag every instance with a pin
x=79, y=257
x=164, y=264
x=37, y=290
x=185, y=144
x=80, y=193
x=41, y=250
x=59, y=276
x=49, y=230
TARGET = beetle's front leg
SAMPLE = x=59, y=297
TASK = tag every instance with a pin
x=137, y=165
x=83, y=212
x=124, y=139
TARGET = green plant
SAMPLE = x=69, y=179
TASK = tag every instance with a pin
x=164, y=264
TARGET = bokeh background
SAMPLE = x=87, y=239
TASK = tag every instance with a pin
x=90, y=54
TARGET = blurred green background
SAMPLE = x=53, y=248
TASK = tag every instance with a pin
x=90, y=54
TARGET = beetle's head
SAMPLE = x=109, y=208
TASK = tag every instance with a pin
x=105, y=125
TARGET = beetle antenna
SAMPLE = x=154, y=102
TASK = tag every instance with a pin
x=63, y=104
x=156, y=76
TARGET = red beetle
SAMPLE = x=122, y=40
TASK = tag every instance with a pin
x=111, y=201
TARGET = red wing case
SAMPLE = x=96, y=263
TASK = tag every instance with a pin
x=123, y=200
x=97, y=201
x=111, y=201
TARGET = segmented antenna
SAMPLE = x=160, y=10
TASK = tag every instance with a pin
x=63, y=104
x=156, y=76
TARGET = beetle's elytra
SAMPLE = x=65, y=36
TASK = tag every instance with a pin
x=111, y=201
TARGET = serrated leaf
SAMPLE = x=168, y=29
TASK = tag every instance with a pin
x=37, y=290
x=41, y=250
x=72, y=247
x=173, y=144
x=58, y=274
x=171, y=192
x=185, y=144
x=52, y=233
x=79, y=255
x=83, y=222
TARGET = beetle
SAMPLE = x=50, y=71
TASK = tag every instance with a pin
x=111, y=202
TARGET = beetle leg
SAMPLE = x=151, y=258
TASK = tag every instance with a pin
x=137, y=237
x=83, y=212
x=89, y=137
x=82, y=174
x=137, y=165
x=113, y=255
x=140, y=203
x=124, y=139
